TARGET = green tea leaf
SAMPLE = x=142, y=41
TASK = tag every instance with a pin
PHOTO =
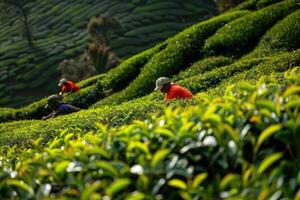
x=107, y=167
x=266, y=134
x=138, y=145
x=291, y=90
x=266, y=104
x=158, y=157
x=293, y=104
x=61, y=167
x=228, y=179
x=117, y=186
x=164, y=132
x=268, y=161
x=199, y=179
x=21, y=185
x=90, y=189
x=178, y=184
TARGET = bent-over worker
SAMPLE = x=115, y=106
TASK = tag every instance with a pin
x=67, y=86
x=59, y=107
x=172, y=90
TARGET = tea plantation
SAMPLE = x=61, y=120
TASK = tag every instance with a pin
x=59, y=32
x=238, y=138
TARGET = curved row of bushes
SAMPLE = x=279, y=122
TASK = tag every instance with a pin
x=181, y=51
x=241, y=35
x=244, y=145
x=202, y=66
x=281, y=37
x=23, y=132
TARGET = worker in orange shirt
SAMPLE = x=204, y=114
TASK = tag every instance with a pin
x=172, y=90
x=67, y=86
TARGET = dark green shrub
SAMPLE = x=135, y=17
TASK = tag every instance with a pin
x=240, y=36
x=263, y=3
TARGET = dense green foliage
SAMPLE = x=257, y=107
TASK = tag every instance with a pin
x=59, y=32
x=203, y=66
x=240, y=35
x=24, y=132
x=244, y=145
x=238, y=138
x=114, y=79
x=180, y=51
x=281, y=37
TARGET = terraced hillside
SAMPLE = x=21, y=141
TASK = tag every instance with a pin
x=59, y=29
x=236, y=141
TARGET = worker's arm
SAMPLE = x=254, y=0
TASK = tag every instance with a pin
x=74, y=108
x=49, y=116
x=63, y=90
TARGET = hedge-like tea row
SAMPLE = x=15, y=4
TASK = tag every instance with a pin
x=22, y=133
x=241, y=35
x=180, y=51
x=115, y=79
x=254, y=4
x=202, y=66
x=244, y=145
x=261, y=66
x=284, y=36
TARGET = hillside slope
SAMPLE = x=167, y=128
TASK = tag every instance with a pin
x=238, y=138
x=202, y=66
x=59, y=29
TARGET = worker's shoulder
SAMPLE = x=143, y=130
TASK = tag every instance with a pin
x=175, y=86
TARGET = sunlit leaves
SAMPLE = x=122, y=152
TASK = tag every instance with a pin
x=158, y=157
x=266, y=134
x=268, y=161
x=212, y=149
x=178, y=184
x=117, y=186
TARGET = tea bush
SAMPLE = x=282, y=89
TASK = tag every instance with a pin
x=260, y=66
x=90, y=81
x=23, y=132
x=202, y=66
x=240, y=35
x=244, y=145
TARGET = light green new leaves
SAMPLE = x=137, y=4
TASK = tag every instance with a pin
x=266, y=134
x=117, y=186
x=158, y=157
x=268, y=161
x=177, y=183
x=21, y=185
x=199, y=179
